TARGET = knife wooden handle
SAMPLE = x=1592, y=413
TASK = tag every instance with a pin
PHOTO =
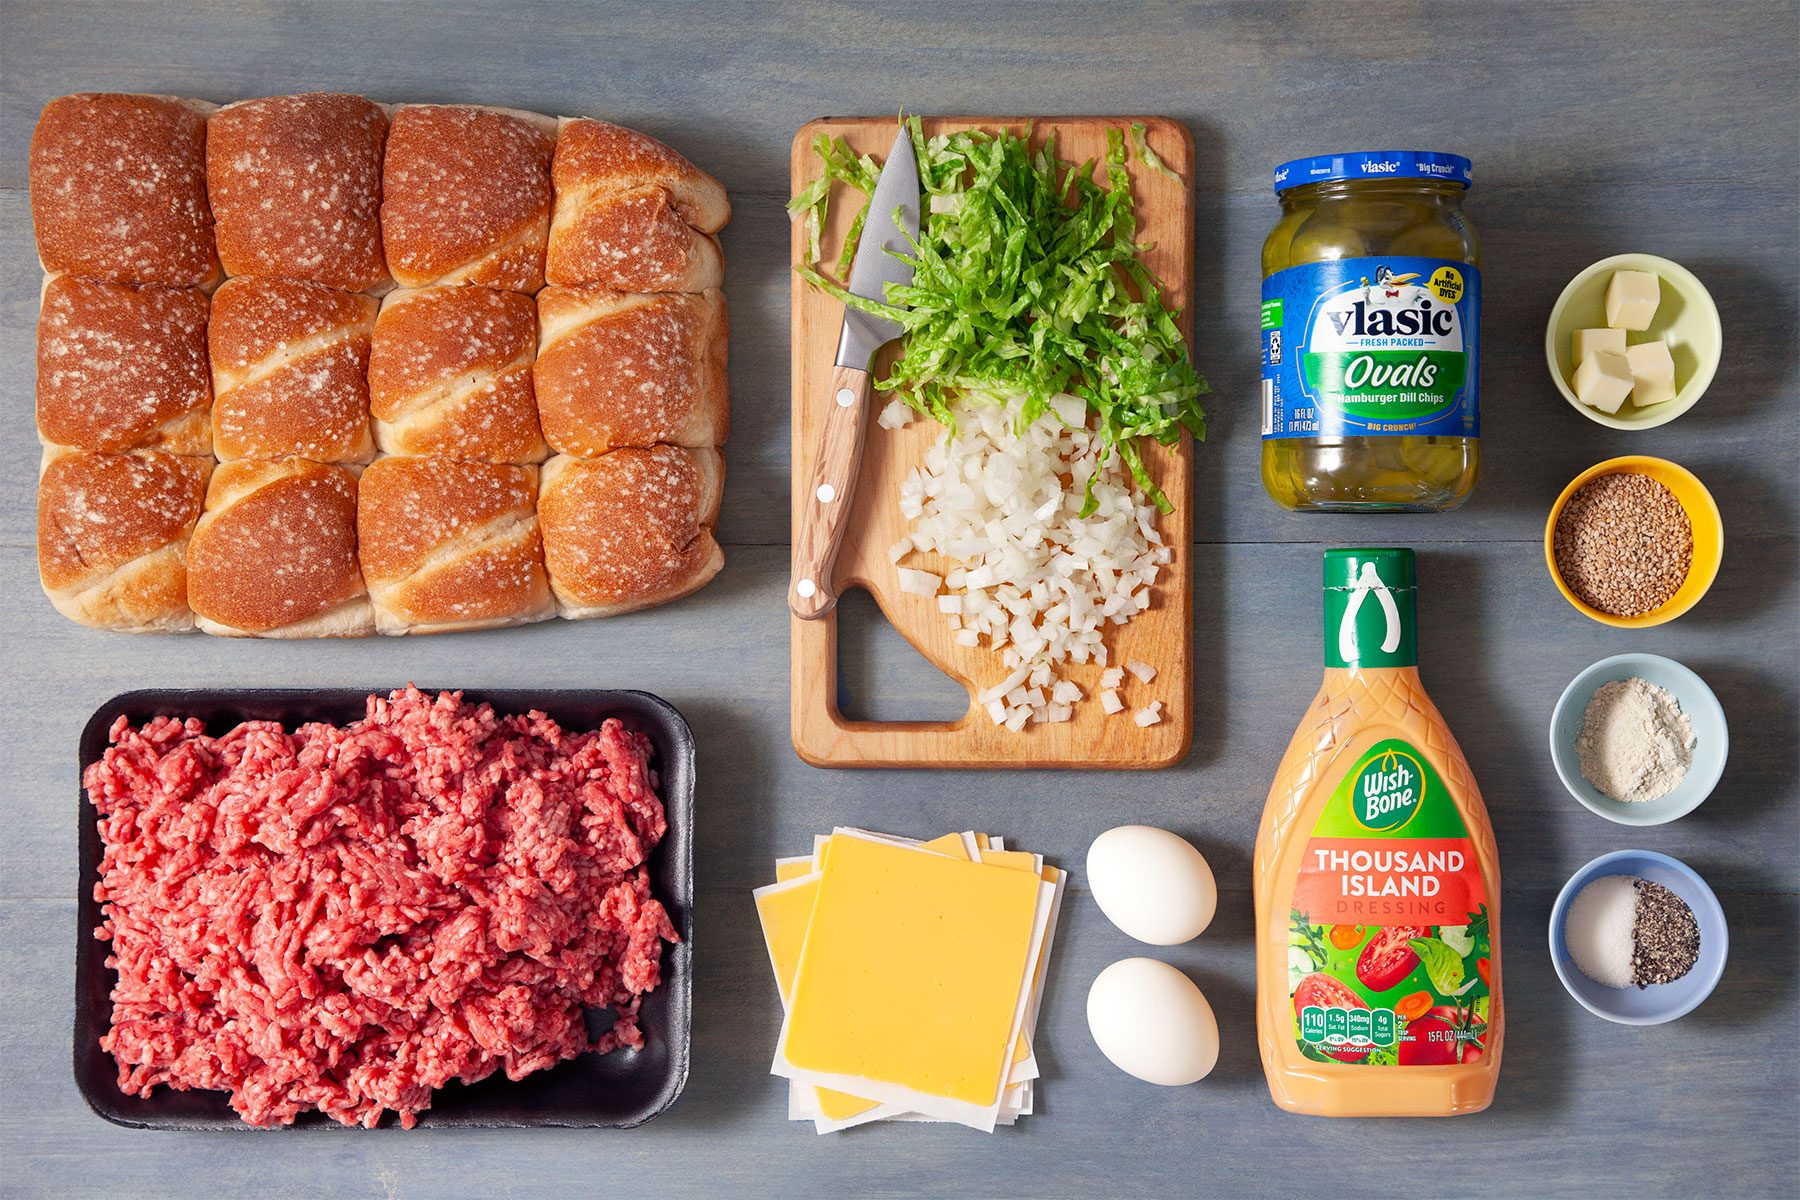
x=825, y=508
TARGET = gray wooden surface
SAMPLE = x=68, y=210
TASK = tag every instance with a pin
x=1595, y=127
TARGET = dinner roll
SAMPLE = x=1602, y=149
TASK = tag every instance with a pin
x=450, y=374
x=112, y=536
x=290, y=371
x=450, y=545
x=295, y=184
x=631, y=370
x=631, y=529
x=274, y=555
x=118, y=189
x=465, y=196
x=631, y=214
x=122, y=367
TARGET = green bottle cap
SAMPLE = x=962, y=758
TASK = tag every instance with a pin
x=1370, y=619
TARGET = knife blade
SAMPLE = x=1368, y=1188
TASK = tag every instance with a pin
x=892, y=222
x=824, y=514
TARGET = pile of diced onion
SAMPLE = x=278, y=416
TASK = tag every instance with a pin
x=1034, y=579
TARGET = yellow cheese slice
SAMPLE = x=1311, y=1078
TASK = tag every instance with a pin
x=784, y=913
x=912, y=972
x=784, y=909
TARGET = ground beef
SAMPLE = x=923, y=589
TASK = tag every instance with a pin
x=345, y=919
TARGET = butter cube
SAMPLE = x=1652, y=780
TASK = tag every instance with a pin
x=1652, y=373
x=1586, y=341
x=1631, y=299
x=1603, y=380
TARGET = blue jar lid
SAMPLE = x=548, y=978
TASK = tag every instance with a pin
x=1374, y=164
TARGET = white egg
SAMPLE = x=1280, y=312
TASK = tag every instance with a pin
x=1152, y=884
x=1152, y=1022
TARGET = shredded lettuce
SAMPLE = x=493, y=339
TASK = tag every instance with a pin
x=1027, y=283
x=1150, y=157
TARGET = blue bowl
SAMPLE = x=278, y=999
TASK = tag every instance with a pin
x=1660, y=1001
x=1712, y=741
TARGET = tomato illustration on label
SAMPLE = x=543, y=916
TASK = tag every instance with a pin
x=1321, y=991
x=1387, y=959
x=1444, y=1034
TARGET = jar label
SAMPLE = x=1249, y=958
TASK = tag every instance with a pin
x=1371, y=346
x=1387, y=929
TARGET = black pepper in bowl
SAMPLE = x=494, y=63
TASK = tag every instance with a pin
x=1623, y=544
x=1665, y=937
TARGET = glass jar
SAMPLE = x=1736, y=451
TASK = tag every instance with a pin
x=1371, y=335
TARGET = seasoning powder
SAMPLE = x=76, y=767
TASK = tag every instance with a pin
x=1623, y=544
x=1635, y=742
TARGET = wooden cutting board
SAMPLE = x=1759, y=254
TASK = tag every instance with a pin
x=1161, y=636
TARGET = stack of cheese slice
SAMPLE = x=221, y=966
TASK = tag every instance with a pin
x=911, y=975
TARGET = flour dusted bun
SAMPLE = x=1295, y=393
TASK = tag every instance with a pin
x=122, y=367
x=631, y=370
x=295, y=184
x=112, y=536
x=118, y=189
x=631, y=529
x=290, y=371
x=450, y=373
x=632, y=214
x=466, y=196
x=275, y=553
x=450, y=545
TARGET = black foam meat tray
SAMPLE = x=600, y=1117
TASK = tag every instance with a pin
x=619, y=1090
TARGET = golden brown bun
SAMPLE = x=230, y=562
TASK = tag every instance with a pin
x=113, y=533
x=449, y=545
x=118, y=189
x=295, y=184
x=466, y=196
x=630, y=530
x=631, y=214
x=631, y=370
x=275, y=553
x=290, y=371
x=450, y=374
x=122, y=367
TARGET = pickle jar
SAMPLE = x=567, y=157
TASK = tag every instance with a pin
x=1371, y=335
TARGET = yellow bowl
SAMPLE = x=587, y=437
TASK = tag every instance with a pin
x=1686, y=318
x=1703, y=515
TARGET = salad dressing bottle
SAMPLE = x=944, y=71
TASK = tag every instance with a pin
x=1377, y=881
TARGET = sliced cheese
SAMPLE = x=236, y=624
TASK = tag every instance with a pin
x=785, y=909
x=913, y=981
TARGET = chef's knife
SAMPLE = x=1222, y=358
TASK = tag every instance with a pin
x=893, y=220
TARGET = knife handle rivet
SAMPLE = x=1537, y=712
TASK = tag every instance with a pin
x=806, y=588
x=845, y=397
x=826, y=493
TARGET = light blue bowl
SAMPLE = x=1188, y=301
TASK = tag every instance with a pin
x=1660, y=1001
x=1712, y=741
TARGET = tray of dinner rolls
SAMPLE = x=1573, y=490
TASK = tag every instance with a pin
x=315, y=366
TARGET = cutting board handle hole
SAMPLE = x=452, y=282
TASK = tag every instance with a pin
x=881, y=677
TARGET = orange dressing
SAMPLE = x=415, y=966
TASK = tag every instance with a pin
x=1377, y=881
